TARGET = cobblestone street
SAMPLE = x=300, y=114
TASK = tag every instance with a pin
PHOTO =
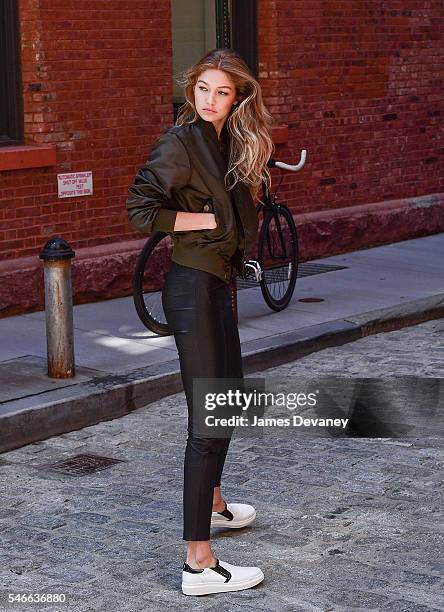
x=342, y=524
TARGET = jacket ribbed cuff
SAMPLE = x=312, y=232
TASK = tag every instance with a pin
x=164, y=220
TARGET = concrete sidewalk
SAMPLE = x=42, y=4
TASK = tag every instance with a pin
x=121, y=366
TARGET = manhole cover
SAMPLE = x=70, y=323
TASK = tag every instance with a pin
x=84, y=464
x=311, y=299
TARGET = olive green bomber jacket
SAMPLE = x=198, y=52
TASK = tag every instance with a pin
x=185, y=172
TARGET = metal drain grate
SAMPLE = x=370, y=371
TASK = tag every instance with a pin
x=280, y=274
x=310, y=269
x=84, y=464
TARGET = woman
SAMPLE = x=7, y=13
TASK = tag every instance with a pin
x=199, y=185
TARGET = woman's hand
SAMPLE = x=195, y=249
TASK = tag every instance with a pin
x=186, y=221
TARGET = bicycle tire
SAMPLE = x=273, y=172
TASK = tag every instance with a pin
x=278, y=256
x=148, y=279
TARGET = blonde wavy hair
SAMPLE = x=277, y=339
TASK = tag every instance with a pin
x=249, y=122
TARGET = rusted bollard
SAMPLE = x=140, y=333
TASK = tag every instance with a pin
x=57, y=255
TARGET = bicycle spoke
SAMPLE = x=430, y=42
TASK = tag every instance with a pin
x=278, y=258
x=156, y=268
x=149, y=276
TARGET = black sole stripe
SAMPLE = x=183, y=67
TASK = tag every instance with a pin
x=229, y=515
x=222, y=571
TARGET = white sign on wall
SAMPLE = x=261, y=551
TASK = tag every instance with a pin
x=75, y=184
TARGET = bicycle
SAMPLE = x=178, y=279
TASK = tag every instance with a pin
x=275, y=268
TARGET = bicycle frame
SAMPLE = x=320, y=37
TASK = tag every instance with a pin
x=269, y=204
x=151, y=313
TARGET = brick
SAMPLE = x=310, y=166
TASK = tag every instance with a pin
x=360, y=89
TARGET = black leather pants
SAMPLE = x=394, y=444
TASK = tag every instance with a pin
x=197, y=307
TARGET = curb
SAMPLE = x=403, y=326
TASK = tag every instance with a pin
x=111, y=396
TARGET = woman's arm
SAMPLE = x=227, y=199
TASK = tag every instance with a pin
x=168, y=169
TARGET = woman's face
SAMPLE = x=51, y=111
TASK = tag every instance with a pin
x=214, y=94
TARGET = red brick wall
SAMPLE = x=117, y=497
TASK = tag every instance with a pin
x=96, y=81
x=360, y=84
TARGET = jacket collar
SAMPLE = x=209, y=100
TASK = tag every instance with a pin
x=220, y=149
x=220, y=155
x=209, y=131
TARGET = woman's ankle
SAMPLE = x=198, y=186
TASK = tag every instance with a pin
x=218, y=501
x=202, y=561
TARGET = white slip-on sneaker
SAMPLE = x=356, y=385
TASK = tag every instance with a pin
x=234, y=516
x=221, y=578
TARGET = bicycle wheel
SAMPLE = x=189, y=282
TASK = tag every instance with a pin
x=149, y=276
x=278, y=257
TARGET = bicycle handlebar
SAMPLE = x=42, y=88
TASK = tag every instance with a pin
x=273, y=163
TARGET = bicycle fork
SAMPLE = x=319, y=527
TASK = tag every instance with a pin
x=255, y=267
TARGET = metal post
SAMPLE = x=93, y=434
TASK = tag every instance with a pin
x=57, y=255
